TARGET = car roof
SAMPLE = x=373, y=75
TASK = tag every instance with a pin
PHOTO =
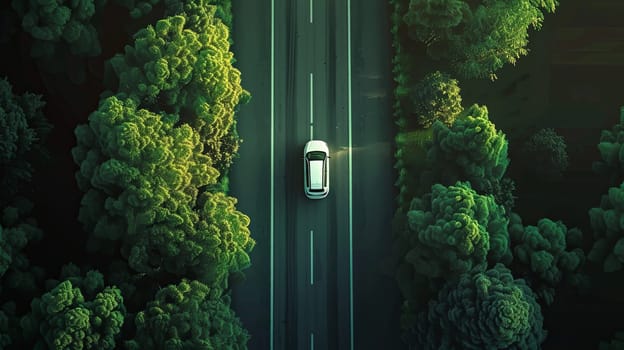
x=316, y=174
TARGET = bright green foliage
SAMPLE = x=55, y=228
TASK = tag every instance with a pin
x=142, y=175
x=189, y=315
x=607, y=222
x=612, y=152
x=17, y=230
x=477, y=38
x=482, y=310
x=435, y=97
x=546, y=254
x=455, y=230
x=63, y=319
x=137, y=170
x=617, y=343
x=545, y=155
x=60, y=22
x=470, y=150
x=23, y=129
x=225, y=235
x=187, y=71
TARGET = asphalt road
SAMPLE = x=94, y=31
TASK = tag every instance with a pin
x=316, y=281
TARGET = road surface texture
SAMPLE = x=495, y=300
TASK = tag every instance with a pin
x=316, y=70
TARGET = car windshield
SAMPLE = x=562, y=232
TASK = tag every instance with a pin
x=316, y=155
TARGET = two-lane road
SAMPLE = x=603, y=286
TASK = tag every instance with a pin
x=315, y=281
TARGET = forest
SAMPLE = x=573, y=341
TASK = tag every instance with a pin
x=478, y=266
x=116, y=138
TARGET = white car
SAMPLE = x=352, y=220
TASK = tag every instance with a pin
x=316, y=169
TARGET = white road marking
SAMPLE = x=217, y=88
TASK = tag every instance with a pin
x=311, y=257
x=311, y=106
x=272, y=213
x=350, y=175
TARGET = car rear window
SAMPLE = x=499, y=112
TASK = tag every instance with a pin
x=316, y=155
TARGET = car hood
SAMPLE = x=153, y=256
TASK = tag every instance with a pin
x=315, y=145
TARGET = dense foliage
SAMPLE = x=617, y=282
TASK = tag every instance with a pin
x=64, y=318
x=482, y=310
x=455, y=230
x=545, y=155
x=606, y=222
x=189, y=315
x=610, y=146
x=546, y=254
x=472, y=150
x=23, y=129
x=476, y=38
x=435, y=97
x=183, y=66
x=153, y=175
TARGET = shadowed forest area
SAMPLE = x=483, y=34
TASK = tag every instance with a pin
x=539, y=166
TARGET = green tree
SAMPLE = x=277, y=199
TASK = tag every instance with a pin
x=611, y=150
x=431, y=21
x=60, y=28
x=606, y=223
x=17, y=230
x=546, y=255
x=189, y=315
x=435, y=97
x=472, y=150
x=183, y=66
x=450, y=231
x=454, y=230
x=544, y=155
x=63, y=319
x=482, y=310
x=23, y=129
x=476, y=38
x=142, y=176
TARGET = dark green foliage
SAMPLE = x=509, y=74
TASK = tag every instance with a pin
x=435, y=97
x=16, y=231
x=9, y=325
x=172, y=68
x=617, y=343
x=189, y=315
x=612, y=152
x=60, y=28
x=546, y=255
x=138, y=8
x=607, y=222
x=545, y=155
x=195, y=11
x=470, y=150
x=482, y=310
x=454, y=230
x=63, y=319
x=23, y=129
x=476, y=38
x=53, y=22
